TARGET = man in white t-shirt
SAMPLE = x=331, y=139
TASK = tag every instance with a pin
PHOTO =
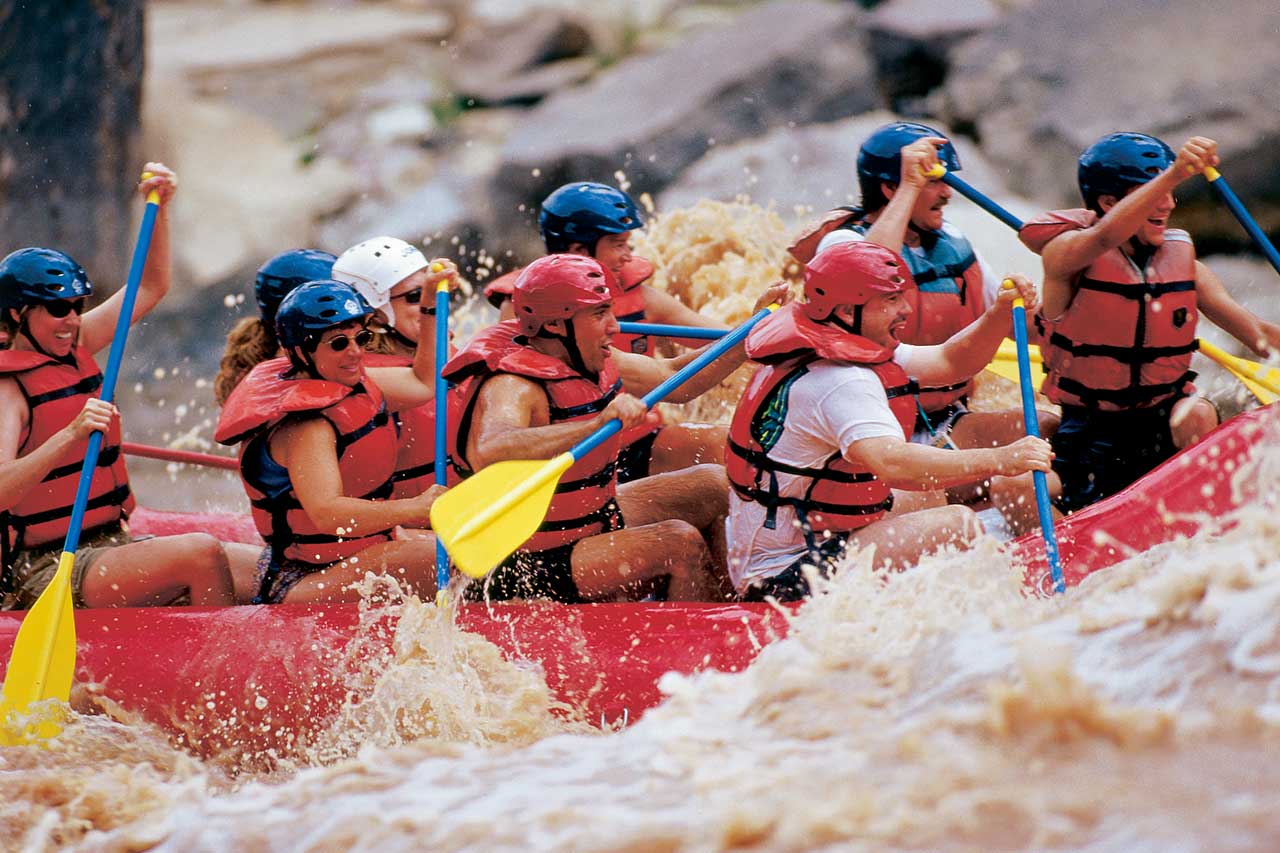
x=902, y=207
x=822, y=434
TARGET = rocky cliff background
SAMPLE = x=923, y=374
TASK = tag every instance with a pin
x=322, y=123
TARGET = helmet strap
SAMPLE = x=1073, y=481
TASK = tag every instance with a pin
x=570, y=343
x=25, y=331
x=398, y=336
x=855, y=328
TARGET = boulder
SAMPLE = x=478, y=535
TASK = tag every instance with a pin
x=1053, y=77
x=651, y=116
x=803, y=172
x=520, y=61
x=912, y=41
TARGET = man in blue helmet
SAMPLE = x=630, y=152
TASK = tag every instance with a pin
x=1122, y=294
x=253, y=340
x=902, y=208
x=49, y=407
x=596, y=220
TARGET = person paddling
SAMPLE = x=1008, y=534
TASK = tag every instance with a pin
x=596, y=220
x=532, y=388
x=399, y=284
x=901, y=207
x=318, y=449
x=48, y=409
x=822, y=435
x=1122, y=295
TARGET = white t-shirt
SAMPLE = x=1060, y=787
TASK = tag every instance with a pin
x=830, y=407
x=990, y=281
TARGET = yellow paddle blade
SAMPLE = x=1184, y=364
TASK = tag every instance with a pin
x=1262, y=381
x=495, y=511
x=1005, y=364
x=42, y=664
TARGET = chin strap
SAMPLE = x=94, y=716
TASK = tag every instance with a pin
x=855, y=328
x=397, y=336
x=25, y=331
x=570, y=344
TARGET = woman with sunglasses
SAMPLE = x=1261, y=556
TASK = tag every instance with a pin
x=399, y=283
x=49, y=408
x=317, y=453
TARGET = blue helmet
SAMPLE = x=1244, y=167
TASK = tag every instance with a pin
x=315, y=306
x=1119, y=161
x=583, y=212
x=880, y=158
x=280, y=275
x=35, y=275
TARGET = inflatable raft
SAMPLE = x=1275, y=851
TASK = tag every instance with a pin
x=264, y=678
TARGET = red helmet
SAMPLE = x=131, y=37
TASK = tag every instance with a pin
x=850, y=274
x=557, y=287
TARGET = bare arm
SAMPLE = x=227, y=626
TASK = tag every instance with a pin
x=971, y=349
x=641, y=374
x=98, y=326
x=18, y=475
x=512, y=420
x=309, y=450
x=1233, y=318
x=915, y=467
x=1072, y=252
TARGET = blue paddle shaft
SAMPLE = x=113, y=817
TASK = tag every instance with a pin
x=664, y=331
x=728, y=341
x=982, y=201
x=111, y=373
x=1032, y=422
x=442, y=421
x=1232, y=201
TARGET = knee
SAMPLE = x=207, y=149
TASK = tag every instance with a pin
x=960, y=525
x=204, y=550
x=682, y=543
x=1048, y=423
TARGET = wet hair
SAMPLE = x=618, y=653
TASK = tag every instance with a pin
x=249, y=344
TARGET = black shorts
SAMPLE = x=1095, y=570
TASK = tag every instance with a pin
x=790, y=584
x=1097, y=454
x=538, y=574
x=635, y=459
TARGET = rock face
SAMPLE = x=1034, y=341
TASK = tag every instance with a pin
x=803, y=172
x=1053, y=77
x=913, y=40
x=651, y=116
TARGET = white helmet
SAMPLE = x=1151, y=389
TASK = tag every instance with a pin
x=377, y=265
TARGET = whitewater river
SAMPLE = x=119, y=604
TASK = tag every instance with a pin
x=940, y=709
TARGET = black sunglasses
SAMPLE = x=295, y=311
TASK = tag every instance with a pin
x=62, y=307
x=413, y=297
x=362, y=339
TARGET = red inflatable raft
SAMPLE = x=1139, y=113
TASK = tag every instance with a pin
x=263, y=677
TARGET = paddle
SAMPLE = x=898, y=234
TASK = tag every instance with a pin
x=1032, y=423
x=664, y=331
x=1262, y=381
x=442, y=421
x=940, y=172
x=1232, y=201
x=481, y=529
x=43, y=661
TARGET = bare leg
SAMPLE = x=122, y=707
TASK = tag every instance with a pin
x=1015, y=497
x=1191, y=420
x=697, y=495
x=609, y=562
x=905, y=502
x=412, y=562
x=996, y=429
x=243, y=560
x=901, y=541
x=681, y=446
x=157, y=571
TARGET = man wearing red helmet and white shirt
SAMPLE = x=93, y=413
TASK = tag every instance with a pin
x=822, y=435
x=532, y=388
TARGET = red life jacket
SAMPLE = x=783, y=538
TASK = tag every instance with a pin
x=628, y=305
x=584, y=504
x=416, y=458
x=1126, y=339
x=56, y=392
x=628, y=301
x=366, y=449
x=840, y=496
x=948, y=295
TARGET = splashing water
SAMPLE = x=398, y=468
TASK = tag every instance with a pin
x=937, y=709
